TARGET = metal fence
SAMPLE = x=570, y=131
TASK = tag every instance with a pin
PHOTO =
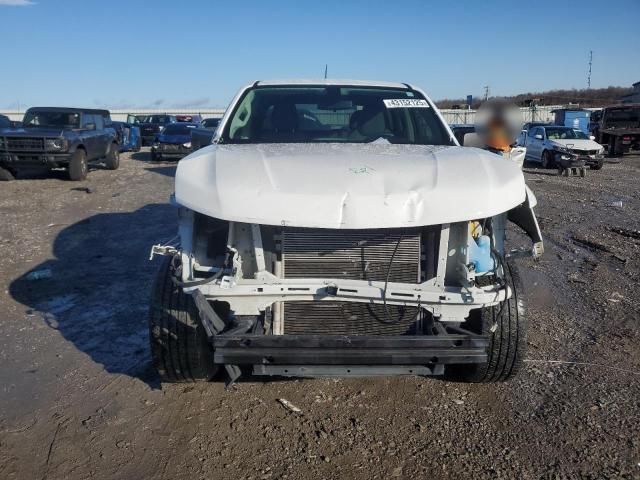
x=121, y=115
x=539, y=114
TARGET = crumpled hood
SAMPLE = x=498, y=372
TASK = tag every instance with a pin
x=577, y=144
x=347, y=185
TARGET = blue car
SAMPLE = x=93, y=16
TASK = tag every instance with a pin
x=173, y=141
x=128, y=136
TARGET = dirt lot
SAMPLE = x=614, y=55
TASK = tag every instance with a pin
x=79, y=400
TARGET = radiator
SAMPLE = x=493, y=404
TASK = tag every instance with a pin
x=357, y=255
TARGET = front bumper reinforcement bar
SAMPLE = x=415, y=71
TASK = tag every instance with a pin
x=349, y=350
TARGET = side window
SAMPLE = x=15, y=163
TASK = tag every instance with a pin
x=87, y=119
x=534, y=131
x=99, y=122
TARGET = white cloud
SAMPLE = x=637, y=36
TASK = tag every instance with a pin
x=17, y=3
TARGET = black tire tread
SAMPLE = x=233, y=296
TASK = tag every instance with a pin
x=76, y=171
x=112, y=160
x=179, y=346
x=507, y=345
x=6, y=175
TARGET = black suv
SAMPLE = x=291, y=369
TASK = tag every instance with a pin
x=60, y=137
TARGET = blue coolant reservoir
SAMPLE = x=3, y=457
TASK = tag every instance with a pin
x=480, y=254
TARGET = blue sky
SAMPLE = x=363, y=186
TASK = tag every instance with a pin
x=196, y=53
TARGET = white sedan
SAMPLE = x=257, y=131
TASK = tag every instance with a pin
x=551, y=143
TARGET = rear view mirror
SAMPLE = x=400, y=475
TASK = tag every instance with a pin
x=591, y=137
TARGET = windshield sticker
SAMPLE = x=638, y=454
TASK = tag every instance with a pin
x=405, y=103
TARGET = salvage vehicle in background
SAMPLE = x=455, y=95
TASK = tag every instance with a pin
x=128, y=136
x=174, y=141
x=522, y=138
x=5, y=122
x=55, y=137
x=550, y=144
x=337, y=228
x=617, y=128
x=201, y=137
x=150, y=125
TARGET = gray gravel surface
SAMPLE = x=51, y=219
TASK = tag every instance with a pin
x=79, y=400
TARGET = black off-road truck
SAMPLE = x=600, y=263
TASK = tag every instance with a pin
x=70, y=138
x=617, y=128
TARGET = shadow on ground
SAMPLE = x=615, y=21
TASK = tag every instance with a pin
x=162, y=167
x=98, y=294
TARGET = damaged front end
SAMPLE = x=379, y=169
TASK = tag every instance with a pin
x=292, y=301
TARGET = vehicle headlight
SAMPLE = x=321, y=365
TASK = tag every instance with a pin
x=559, y=148
x=187, y=145
x=155, y=146
x=56, y=144
x=600, y=150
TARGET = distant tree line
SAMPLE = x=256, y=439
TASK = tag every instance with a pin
x=593, y=97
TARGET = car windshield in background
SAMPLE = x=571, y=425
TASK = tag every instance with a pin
x=565, y=134
x=177, y=129
x=51, y=119
x=210, y=122
x=324, y=114
x=624, y=115
x=158, y=119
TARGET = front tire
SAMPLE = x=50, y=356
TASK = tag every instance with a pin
x=6, y=175
x=179, y=346
x=598, y=165
x=547, y=159
x=78, y=167
x=112, y=160
x=507, y=344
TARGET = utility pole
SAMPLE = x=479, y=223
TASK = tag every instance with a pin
x=486, y=92
x=590, y=62
x=325, y=70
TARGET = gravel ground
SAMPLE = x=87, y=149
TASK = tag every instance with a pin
x=79, y=400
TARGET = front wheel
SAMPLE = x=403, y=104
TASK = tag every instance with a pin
x=598, y=165
x=507, y=341
x=547, y=159
x=6, y=175
x=179, y=346
x=78, y=167
x=112, y=160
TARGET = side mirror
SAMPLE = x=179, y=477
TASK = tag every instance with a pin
x=538, y=137
x=90, y=126
x=591, y=137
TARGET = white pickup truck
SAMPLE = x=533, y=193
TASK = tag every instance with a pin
x=338, y=228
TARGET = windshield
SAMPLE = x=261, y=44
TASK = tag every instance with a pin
x=177, y=129
x=323, y=114
x=153, y=119
x=210, y=122
x=565, y=134
x=624, y=115
x=36, y=118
